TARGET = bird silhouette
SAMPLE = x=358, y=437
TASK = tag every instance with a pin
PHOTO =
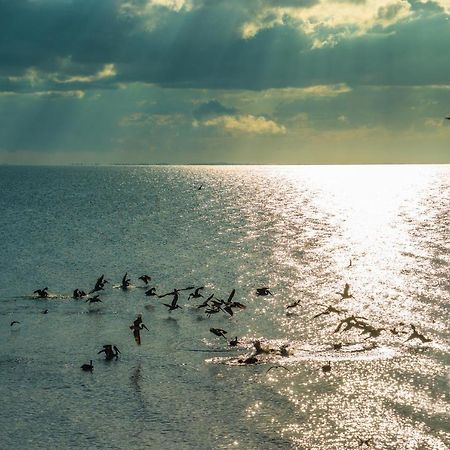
x=88, y=367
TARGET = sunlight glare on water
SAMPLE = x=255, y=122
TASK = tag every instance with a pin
x=292, y=229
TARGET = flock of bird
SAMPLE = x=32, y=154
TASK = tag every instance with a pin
x=214, y=305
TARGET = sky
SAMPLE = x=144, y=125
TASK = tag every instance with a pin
x=224, y=81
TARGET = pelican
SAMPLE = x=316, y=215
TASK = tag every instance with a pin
x=110, y=351
x=196, y=293
x=263, y=291
x=277, y=367
x=373, y=332
x=13, y=322
x=351, y=322
x=94, y=299
x=329, y=310
x=99, y=284
x=137, y=327
x=151, y=292
x=283, y=350
x=125, y=282
x=174, y=304
x=345, y=294
x=367, y=442
x=293, y=305
x=145, y=278
x=218, y=332
x=45, y=311
x=88, y=367
x=234, y=342
x=42, y=293
x=416, y=335
x=206, y=302
x=249, y=360
x=327, y=367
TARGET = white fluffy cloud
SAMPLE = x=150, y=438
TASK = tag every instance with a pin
x=245, y=124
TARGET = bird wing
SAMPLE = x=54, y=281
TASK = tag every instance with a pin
x=231, y=295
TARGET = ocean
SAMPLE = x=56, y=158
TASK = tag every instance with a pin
x=304, y=232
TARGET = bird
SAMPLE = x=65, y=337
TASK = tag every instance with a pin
x=151, y=292
x=367, y=442
x=448, y=118
x=249, y=360
x=372, y=331
x=351, y=322
x=350, y=263
x=345, y=294
x=88, y=367
x=45, y=311
x=94, y=299
x=330, y=309
x=293, y=305
x=42, y=293
x=99, y=284
x=125, y=282
x=218, y=332
x=277, y=367
x=14, y=322
x=327, y=367
x=174, y=304
x=416, y=335
x=145, y=278
x=234, y=342
x=196, y=293
x=137, y=326
x=263, y=291
x=200, y=187
x=110, y=351
x=206, y=302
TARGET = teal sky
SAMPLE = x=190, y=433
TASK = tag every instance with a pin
x=233, y=81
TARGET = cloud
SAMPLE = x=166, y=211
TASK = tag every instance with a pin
x=212, y=108
x=49, y=45
x=245, y=124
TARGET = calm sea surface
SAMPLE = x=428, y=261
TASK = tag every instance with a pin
x=292, y=229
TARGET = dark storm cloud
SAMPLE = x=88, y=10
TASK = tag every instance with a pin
x=211, y=109
x=203, y=47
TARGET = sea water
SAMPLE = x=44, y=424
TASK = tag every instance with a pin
x=303, y=232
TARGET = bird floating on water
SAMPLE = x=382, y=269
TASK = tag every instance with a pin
x=88, y=367
x=41, y=293
x=14, y=322
x=327, y=367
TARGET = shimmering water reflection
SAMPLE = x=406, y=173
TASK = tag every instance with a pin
x=293, y=229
